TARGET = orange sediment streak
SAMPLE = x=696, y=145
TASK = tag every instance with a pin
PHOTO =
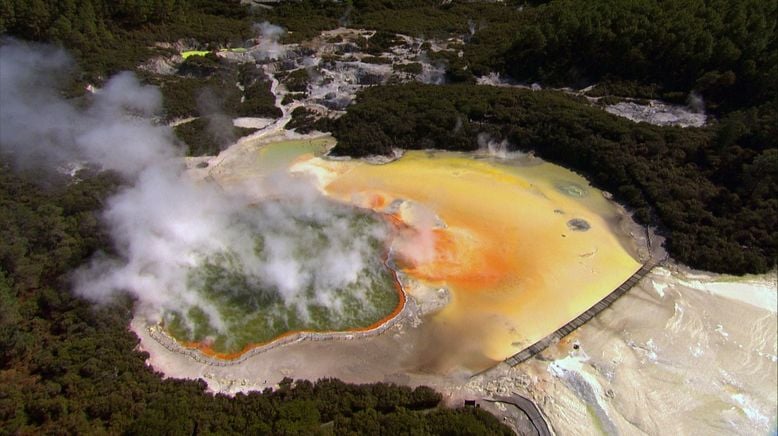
x=457, y=264
x=514, y=268
x=377, y=201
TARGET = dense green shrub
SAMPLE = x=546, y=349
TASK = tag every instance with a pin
x=304, y=121
x=109, y=36
x=207, y=136
x=410, y=68
x=726, y=51
x=296, y=81
x=430, y=18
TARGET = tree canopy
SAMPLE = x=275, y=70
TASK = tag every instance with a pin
x=109, y=36
x=726, y=51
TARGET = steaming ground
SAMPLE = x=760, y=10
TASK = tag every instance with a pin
x=654, y=112
x=183, y=244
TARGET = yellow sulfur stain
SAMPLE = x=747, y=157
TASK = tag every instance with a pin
x=499, y=241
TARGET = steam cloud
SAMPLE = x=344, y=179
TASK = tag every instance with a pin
x=219, y=124
x=268, y=37
x=432, y=73
x=696, y=103
x=496, y=148
x=165, y=224
x=40, y=127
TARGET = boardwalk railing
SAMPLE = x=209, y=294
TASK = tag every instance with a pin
x=529, y=408
x=582, y=319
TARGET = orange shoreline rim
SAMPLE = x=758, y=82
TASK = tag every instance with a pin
x=402, y=299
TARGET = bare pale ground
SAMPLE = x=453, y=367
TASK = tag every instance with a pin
x=682, y=353
x=658, y=113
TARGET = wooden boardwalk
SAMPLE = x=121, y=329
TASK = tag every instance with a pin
x=583, y=318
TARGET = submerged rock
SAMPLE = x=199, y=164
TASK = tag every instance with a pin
x=578, y=225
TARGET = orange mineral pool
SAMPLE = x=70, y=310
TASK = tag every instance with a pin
x=521, y=249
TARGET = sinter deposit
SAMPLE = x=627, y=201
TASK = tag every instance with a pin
x=682, y=353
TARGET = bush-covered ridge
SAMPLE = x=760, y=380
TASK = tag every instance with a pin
x=726, y=51
x=712, y=191
x=107, y=36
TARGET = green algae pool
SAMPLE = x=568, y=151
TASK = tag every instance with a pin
x=238, y=309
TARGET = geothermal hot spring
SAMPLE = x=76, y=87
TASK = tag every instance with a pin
x=493, y=255
x=496, y=254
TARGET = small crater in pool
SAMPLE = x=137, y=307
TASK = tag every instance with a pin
x=572, y=189
x=578, y=225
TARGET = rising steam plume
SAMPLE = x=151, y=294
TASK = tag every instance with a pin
x=164, y=224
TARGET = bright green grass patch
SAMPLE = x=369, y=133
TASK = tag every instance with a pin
x=188, y=53
x=245, y=310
